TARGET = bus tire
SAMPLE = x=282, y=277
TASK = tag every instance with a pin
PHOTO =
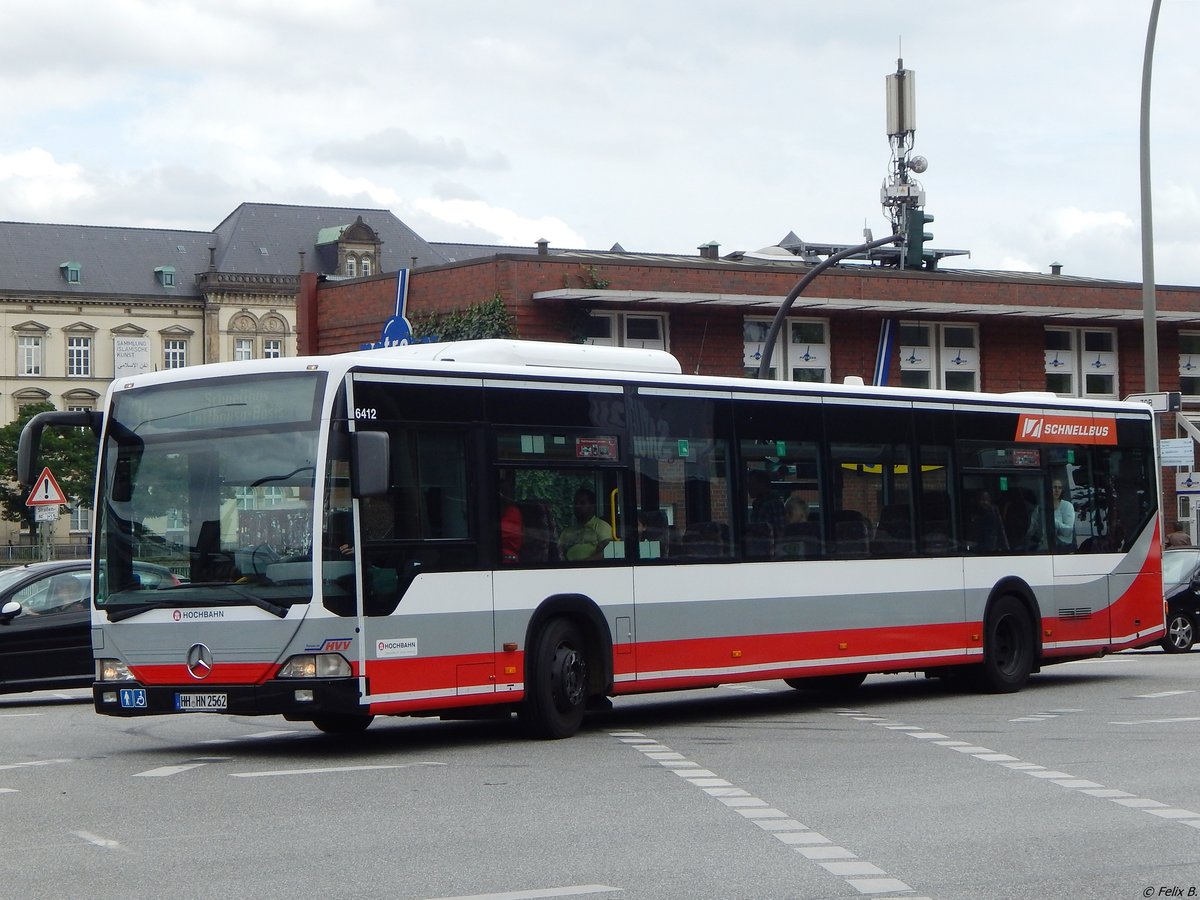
x=556, y=682
x=342, y=723
x=834, y=684
x=1008, y=651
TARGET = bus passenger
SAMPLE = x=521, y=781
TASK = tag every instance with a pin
x=589, y=535
x=512, y=525
x=1064, y=517
x=765, y=505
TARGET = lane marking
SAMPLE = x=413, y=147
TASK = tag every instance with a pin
x=1159, y=721
x=1062, y=779
x=1161, y=694
x=575, y=890
x=36, y=762
x=106, y=843
x=18, y=715
x=865, y=877
x=328, y=769
x=166, y=771
x=9, y=791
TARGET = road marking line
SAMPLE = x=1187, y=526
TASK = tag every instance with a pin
x=1161, y=694
x=1159, y=721
x=106, y=843
x=166, y=771
x=327, y=769
x=9, y=791
x=809, y=843
x=18, y=715
x=36, y=762
x=574, y=890
x=1062, y=779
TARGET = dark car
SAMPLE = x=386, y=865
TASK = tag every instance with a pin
x=1181, y=588
x=45, y=623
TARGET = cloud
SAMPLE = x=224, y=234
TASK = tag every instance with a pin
x=501, y=225
x=400, y=148
x=33, y=184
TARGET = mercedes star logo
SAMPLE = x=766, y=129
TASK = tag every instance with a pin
x=199, y=661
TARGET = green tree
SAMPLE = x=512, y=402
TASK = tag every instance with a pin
x=70, y=453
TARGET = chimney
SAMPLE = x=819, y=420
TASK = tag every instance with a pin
x=711, y=250
x=543, y=246
x=1056, y=268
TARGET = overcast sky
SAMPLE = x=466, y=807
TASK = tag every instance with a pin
x=658, y=125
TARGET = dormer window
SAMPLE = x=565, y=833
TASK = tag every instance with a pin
x=165, y=275
x=71, y=271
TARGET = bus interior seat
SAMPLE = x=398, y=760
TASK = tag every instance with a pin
x=851, y=534
x=894, y=534
x=759, y=541
x=706, y=540
x=800, y=540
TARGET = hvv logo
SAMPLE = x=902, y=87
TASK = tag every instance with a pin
x=330, y=645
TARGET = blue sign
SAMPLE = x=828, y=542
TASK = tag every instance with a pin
x=133, y=698
x=397, y=331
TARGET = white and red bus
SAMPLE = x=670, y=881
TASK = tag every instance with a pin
x=442, y=528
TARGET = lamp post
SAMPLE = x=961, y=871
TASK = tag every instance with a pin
x=1149, y=313
x=764, y=365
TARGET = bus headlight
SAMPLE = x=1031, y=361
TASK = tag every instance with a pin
x=112, y=670
x=319, y=665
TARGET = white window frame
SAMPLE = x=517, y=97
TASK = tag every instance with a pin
x=790, y=355
x=936, y=357
x=79, y=356
x=243, y=348
x=366, y=266
x=351, y=267
x=1189, y=364
x=618, y=330
x=272, y=348
x=174, y=353
x=1079, y=361
x=29, y=355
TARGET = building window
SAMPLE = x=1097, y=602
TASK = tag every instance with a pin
x=366, y=266
x=803, y=357
x=939, y=355
x=81, y=517
x=243, y=348
x=351, y=266
x=174, y=354
x=79, y=357
x=165, y=275
x=29, y=354
x=626, y=330
x=272, y=349
x=71, y=272
x=1189, y=362
x=1082, y=362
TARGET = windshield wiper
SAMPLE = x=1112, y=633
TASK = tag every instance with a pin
x=116, y=615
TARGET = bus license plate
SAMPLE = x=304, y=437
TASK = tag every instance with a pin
x=201, y=702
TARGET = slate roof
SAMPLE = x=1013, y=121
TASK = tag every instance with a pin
x=283, y=231
x=256, y=238
x=112, y=260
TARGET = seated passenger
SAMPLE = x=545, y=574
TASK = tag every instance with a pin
x=587, y=537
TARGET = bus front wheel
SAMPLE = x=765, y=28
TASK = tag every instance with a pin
x=1008, y=652
x=556, y=682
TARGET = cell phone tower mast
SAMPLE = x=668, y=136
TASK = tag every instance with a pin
x=902, y=195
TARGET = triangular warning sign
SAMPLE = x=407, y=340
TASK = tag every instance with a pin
x=46, y=491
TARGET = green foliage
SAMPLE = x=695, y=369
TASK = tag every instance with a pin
x=591, y=277
x=70, y=453
x=489, y=319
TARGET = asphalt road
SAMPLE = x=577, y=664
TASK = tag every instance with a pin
x=1083, y=785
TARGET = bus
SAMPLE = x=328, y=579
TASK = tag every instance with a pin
x=496, y=527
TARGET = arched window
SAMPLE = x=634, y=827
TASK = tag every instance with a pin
x=366, y=266
x=351, y=266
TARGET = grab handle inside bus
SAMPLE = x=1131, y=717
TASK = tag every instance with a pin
x=370, y=463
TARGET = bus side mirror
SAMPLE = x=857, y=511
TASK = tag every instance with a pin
x=370, y=463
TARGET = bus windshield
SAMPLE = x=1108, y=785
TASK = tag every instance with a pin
x=213, y=479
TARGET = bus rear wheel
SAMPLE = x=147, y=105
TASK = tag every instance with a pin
x=557, y=679
x=342, y=723
x=1008, y=652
